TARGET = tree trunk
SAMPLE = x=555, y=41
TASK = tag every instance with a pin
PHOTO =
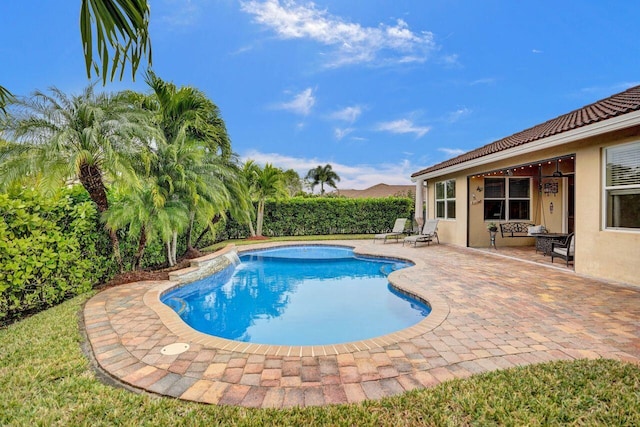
x=260, y=217
x=174, y=249
x=142, y=244
x=91, y=179
x=171, y=248
x=192, y=218
x=168, y=246
x=251, y=229
x=216, y=219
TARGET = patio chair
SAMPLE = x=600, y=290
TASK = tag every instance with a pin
x=564, y=250
x=398, y=230
x=429, y=232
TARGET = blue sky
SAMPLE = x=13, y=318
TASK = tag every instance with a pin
x=379, y=89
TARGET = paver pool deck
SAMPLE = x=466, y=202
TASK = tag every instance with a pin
x=488, y=313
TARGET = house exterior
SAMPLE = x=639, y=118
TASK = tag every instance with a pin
x=578, y=173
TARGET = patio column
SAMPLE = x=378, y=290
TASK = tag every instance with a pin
x=419, y=207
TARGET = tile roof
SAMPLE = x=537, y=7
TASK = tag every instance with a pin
x=615, y=105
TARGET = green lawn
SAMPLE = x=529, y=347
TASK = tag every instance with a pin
x=46, y=380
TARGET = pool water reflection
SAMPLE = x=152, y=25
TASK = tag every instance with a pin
x=303, y=295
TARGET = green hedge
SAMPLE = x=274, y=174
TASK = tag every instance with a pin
x=303, y=216
x=49, y=251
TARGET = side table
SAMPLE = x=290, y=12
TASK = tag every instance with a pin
x=545, y=240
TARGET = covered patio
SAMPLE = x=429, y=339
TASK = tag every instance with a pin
x=539, y=193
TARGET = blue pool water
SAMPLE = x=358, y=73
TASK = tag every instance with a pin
x=301, y=295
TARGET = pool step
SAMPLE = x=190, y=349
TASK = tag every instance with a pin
x=387, y=269
x=177, y=304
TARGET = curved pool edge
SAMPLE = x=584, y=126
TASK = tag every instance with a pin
x=398, y=279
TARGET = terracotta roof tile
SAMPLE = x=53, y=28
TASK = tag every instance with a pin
x=613, y=106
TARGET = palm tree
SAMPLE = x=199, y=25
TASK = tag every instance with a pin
x=189, y=109
x=121, y=27
x=264, y=183
x=6, y=97
x=191, y=159
x=89, y=137
x=292, y=182
x=322, y=175
x=146, y=213
x=238, y=205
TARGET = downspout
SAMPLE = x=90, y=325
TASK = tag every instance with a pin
x=419, y=205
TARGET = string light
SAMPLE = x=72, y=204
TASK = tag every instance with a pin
x=522, y=167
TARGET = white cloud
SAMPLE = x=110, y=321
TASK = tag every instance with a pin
x=351, y=177
x=458, y=114
x=341, y=133
x=347, y=114
x=536, y=51
x=300, y=104
x=452, y=152
x=483, y=81
x=403, y=126
x=452, y=60
x=352, y=43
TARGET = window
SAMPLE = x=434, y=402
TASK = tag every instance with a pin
x=507, y=199
x=446, y=199
x=622, y=186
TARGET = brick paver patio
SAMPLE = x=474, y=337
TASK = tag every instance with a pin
x=488, y=313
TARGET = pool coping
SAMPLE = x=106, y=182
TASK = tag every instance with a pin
x=439, y=310
x=501, y=313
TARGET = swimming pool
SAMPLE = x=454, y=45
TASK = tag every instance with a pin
x=300, y=295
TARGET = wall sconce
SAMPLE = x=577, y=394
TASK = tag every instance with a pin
x=551, y=207
x=479, y=189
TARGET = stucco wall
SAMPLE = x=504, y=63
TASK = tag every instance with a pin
x=451, y=230
x=610, y=254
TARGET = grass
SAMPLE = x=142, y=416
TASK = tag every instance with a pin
x=46, y=380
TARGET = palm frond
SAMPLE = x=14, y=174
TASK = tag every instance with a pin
x=121, y=30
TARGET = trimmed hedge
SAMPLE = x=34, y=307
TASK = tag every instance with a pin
x=303, y=216
x=48, y=251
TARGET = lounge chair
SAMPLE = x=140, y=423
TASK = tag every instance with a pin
x=398, y=230
x=564, y=250
x=429, y=232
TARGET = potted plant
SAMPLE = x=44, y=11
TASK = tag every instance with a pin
x=492, y=227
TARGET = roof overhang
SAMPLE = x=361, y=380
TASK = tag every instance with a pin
x=599, y=128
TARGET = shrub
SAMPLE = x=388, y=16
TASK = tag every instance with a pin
x=303, y=216
x=48, y=251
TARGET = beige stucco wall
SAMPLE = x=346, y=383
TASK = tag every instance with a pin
x=608, y=254
x=451, y=230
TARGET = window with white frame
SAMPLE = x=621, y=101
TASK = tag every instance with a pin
x=507, y=199
x=446, y=199
x=622, y=186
